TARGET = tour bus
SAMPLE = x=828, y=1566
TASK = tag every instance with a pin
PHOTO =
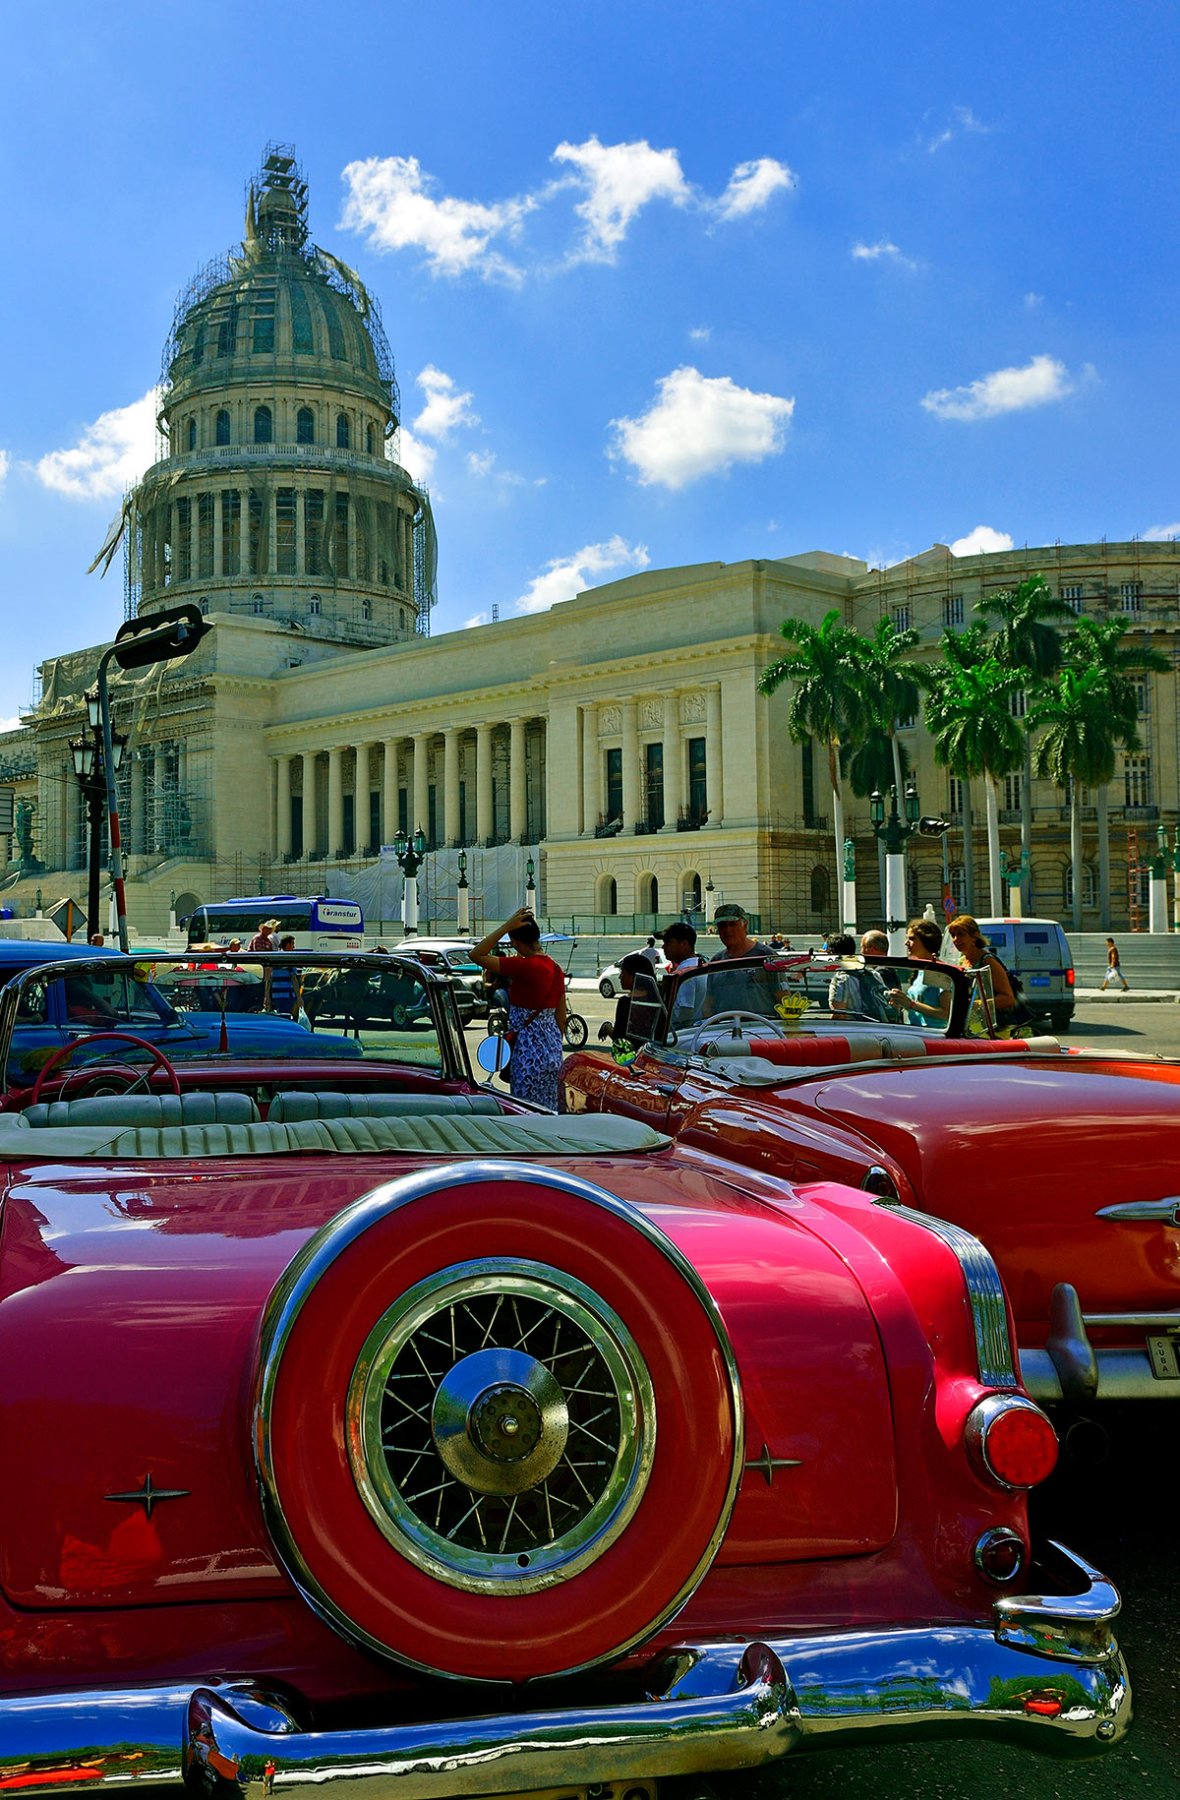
x=319, y=924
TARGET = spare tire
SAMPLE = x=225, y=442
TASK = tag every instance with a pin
x=498, y=1424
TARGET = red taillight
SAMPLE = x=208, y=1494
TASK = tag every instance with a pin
x=1011, y=1440
x=1043, y=1706
x=1069, y=978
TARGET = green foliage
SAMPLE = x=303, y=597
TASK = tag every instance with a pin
x=870, y=764
x=1026, y=638
x=971, y=722
x=828, y=701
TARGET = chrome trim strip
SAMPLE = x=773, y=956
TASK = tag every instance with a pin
x=1160, y=1212
x=985, y=1294
x=712, y=1707
x=1139, y=1321
x=318, y=1254
x=1122, y=1375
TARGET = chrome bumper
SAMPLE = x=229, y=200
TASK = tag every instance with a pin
x=1048, y=1673
x=1070, y=1369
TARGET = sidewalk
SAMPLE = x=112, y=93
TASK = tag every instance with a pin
x=1134, y=997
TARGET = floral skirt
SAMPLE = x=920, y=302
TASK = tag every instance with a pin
x=536, y=1056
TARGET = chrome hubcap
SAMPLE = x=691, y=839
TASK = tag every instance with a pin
x=500, y=1422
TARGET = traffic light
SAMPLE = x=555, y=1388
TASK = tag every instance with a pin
x=931, y=827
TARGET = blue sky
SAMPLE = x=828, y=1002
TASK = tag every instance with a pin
x=664, y=283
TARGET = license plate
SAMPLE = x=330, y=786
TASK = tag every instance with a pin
x=1162, y=1354
x=1038, y=981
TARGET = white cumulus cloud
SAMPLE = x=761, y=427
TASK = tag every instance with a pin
x=109, y=456
x=446, y=407
x=752, y=185
x=698, y=425
x=1161, y=534
x=620, y=180
x=982, y=539
x=10, y=724
x=4, y=461
x=884, y=250
x=415, y=455
x=395, y=206
x=566, y=576
x=481, y=462
x=1040, y=381
x=962, y=121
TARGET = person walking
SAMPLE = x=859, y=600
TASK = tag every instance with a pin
x=1114, y=974
x=536, y=1006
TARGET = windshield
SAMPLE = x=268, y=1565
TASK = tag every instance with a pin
x=206, y=1006
x=791, y=994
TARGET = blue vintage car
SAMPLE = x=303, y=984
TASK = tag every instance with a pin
x=66, y=1008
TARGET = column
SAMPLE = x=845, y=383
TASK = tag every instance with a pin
x=631, y=799
x=517, y=791
x=673, y=762
x=135, y=825
x=283, y=809
x=218, y=531
x=362, y=786
x=244, y=532
x=389, y=792
x=449, y=833
x=483, y=783
x=335, y=802
x=713, y=789
x=310, y=824
x=591, y=770
x=421, y=815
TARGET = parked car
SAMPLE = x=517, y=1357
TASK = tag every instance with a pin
x=610, y=983
x=1037, y=952
x=454, y=956
x=93, y=992
x=390, y=1431
x=1063, y=1163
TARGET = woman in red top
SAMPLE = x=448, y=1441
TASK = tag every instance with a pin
x=536, y=1006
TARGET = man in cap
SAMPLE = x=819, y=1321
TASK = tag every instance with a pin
x=746, y=990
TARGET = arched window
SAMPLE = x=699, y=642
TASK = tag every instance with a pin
x=257, y=603
x=366, y=609
x=263, y=425
x=203, y=603
x=191, y=437
x=221, y=428
x=606, y=894
x=1089, y=885
x=305, y=426
x=315, y=604
x=690, y=891
x=821, y=890
x=370, y=441
x=343, y=432
x=401, y=617
x=649, y=894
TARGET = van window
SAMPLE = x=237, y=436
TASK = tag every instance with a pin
x=997, y=937
x=1035, y=937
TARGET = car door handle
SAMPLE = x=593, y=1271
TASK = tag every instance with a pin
x=665, y=1087
x=1159, y=1212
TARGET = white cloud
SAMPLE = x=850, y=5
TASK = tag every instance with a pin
x=752, y=185
x=982, y=539
x=884, y=250
x=11, y=724
x=481, y=462
x=963, y=121
x=698, y=425
x=1004, y=390
x=1032, y=300
x=566, y=576
x=390, y=201
x=621, y=179
x=4, y=461
x=1161, y=534
x=416, y=457
x=479, y=618
x=446, y=408
x=109, y=456
x=700, y=334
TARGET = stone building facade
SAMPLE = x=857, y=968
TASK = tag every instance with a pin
x=618, y=738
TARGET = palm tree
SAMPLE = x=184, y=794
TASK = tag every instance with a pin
x=828, y=701
x=1081, y=735
x=1028, y=643
x=974, y=734
x=892, y=684
x=963, y=650
x=876, y=763
x=1098, y=643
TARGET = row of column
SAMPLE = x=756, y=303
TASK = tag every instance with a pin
x=145, y=820
x=674, y=746
x=447, y=822
x=163, y=526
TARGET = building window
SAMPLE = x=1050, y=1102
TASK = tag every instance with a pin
x=264, y=326
x=227, y=331
x=956, y=879
x=285, y=531
x=203, y=603
x=1012, y=787
x=900, y=616
x=653, y=786
x=335, y=334
x=305, y=426
x=1089, y=885
x=191, y=434
x=1072, y=595
x=301, y=340
x=315, y=605
x=366, y=609
x=954, y=792
x=1137, y=780
x=614, y=784
x=908, y=724
x=257, y=603
x=952, y=611
x=343, y=432
x=1142, y=698
x=649, y=894
x=370, y=441
x=692, y=890
x=1131, y=597
x=263, y=425
x=340, y=548
x=821, y=891
x=313, y=531
x=1018, y=703
x=401, y=617
x=698, y=803
x=221, y=427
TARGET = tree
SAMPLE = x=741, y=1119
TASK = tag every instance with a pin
x=892, y=684
x=964, y=650
x=975, y=734
x=825, y=667
x=1081, y=735
x=1026, y=641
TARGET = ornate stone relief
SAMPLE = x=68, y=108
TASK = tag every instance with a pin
x=692, y=709
x=651, y=712
x=610, y=721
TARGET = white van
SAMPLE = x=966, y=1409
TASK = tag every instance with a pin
x=1038, y=953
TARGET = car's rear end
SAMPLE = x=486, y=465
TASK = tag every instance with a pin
x=1037, y=952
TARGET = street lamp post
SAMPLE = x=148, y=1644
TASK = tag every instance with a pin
x=1015, y=874
x=530, y=886
x=893, y=832
x=90, y=769
x=1176, y=879
x=848, y=886
x=1157, y=915
x=710, y=902
x=463, y=898
x=410, y=854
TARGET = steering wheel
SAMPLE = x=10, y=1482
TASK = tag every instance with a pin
x=64, y=1051
x=764, y=1025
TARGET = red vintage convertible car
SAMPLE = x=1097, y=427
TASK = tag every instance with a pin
x=362, y=1426
x=1062, y=1162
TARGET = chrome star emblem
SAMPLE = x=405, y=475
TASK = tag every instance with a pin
x=150, y=1495
x=768, y=1464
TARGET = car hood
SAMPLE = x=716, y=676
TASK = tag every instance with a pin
x=1026, y=1156
x=131, y=1303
